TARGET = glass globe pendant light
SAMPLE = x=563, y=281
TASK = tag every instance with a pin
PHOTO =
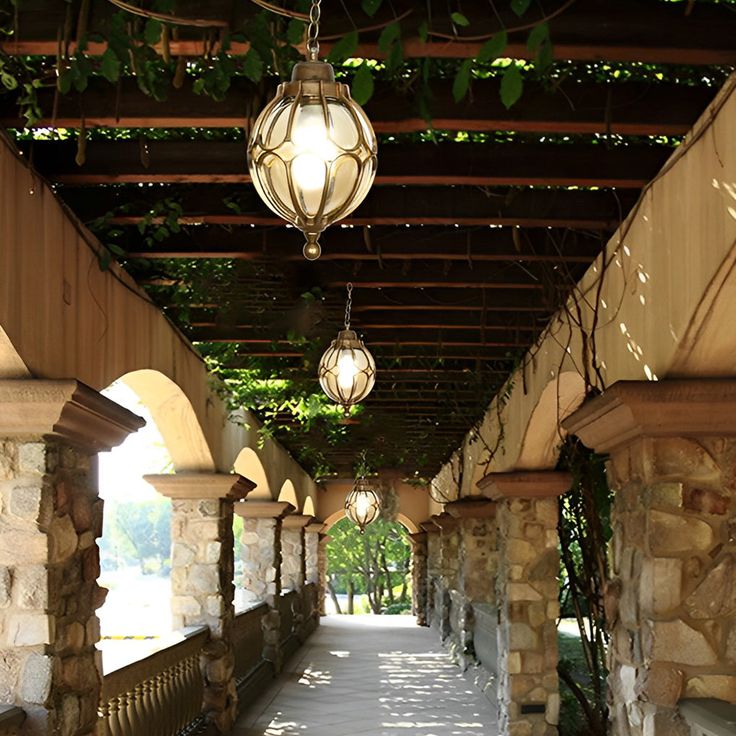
x=363, y=504
x=347, y=370
x=312, y=150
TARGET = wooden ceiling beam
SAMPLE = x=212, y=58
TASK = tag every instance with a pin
x=629, y=108
x=445, y=164
x=214, y=204
x=591, y=30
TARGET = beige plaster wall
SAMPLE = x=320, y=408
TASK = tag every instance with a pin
x=62, y=317
x=668, y=298
x=414, y=504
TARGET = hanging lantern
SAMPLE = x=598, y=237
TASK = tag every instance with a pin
x=363, y=504
x=312, y=151
x=347, y=371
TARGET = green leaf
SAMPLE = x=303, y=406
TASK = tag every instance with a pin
x=363, y=84
x=538, y=35
x=110, y=66
x=520, y=6
x=253, y=66
x=423, y=31
x=459, y=19
x=493, y=47
x=295, y=31
x=461, y=82
x=152, y=32
x=9, y=81
x=370, y=7
x=115, y=249
x=389, y=36
x=344, y=48
x=512, y=85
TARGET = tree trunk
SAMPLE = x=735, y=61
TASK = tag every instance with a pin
x=333, y=595
x=404, y=597
x=351, y=597
x=387, y=573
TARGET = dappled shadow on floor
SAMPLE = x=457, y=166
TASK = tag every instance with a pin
x=371, y=675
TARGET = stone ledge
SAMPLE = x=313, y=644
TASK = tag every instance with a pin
x=630, y=410
x=195, y=486
x=67, y=409
x=263, y=509
x=525, y=484
x=315, y=527
x=444, y=522
x=297, y=521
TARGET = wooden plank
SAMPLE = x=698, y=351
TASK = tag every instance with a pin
x=375, y=244
x=631, y=108
x=631, y=30
x=471, y=206
x=446, y=164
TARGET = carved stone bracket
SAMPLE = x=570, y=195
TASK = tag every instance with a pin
x=192, y=486
x=525, y=484
x=263, y=509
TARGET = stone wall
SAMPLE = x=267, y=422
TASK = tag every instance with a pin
x=292, y=559
x=419, y=577
x=672, y=601
x=527, y=593
x=50, y=520
x=311, y=557
x=261, y=555
x=433, y=573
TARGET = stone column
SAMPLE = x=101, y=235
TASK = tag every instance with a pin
x=261, y=550
x=312, y=534
x=202, y=575
x=322, y=566
x=528, y=598
x=433, y=570
x=671, y=603
x=419, y=576
x=449, y=570
x=50, y=519
x=294, y=568
x=478, y=565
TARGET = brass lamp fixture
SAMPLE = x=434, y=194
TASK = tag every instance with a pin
x=347, y=370
x=312, y=151
x=363, y=504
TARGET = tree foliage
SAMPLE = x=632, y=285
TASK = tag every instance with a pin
x=374, y=564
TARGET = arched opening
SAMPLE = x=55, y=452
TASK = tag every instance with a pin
x=287, y=494
x=308, y=509
x=369, y=573
x=249, y=465
x=135, y=547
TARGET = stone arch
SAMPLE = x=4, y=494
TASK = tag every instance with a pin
x=402, y=519
x=11, y=364
x=288, y=494
x=543, y=433
x=175, y=418
x=249, y=465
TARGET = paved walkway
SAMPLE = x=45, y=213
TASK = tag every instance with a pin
x=370, y=676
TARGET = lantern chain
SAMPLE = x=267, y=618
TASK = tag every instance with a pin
x=348, y=306
x=313, y=31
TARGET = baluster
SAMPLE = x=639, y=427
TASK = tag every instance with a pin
x=158, y=705
x=169, y=694
x=124, y=717
x=137, y=710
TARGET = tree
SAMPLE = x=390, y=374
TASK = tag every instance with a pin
x=374, y=563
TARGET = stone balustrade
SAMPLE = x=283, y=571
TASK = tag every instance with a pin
x=251, y=670
x=159, y=695
x=11, y=720
x=288, y=640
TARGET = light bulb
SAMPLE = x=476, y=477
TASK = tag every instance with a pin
x=346, y=371
x=361, y=506
x=313, y=150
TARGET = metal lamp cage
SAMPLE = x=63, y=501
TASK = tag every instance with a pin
x=347, y=370
x=363, y=504
x=312, y=152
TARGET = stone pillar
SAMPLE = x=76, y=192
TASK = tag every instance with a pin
x=449, y=570
x=528, y=598
x=419, y=576
x=312, y=534
x=478, y=565
x=261, y=550
x=50, y=519
x=293, y=551
x=671, y=603
x=433, y=570
x=322, y=566
x=202, y=575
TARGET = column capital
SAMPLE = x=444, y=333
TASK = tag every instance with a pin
x=67, y=409
x=315, y=527
x=297, y=521
x=630, y=410
x=418, y=539
x=444, y=522
x=429, y=527
x=525, y=484
x=263, y=509
x=192, y=486
x=477, y=507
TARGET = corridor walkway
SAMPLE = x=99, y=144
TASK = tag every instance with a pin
x=370, y=676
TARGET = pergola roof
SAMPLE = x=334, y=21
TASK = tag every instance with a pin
x=464, y=247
